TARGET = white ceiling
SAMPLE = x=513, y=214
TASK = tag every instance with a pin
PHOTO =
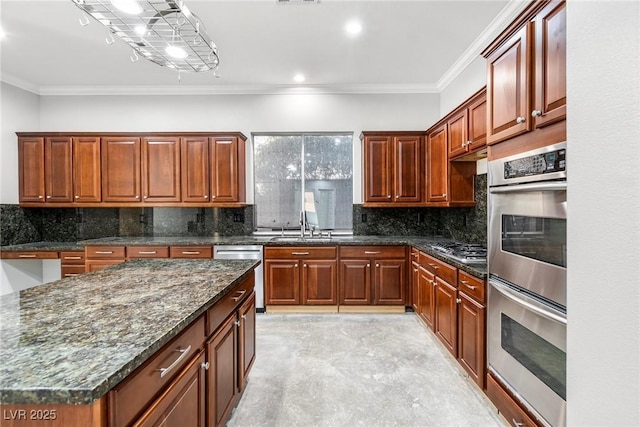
x=405, y=46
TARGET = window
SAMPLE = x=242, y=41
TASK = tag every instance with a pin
x=321, y=185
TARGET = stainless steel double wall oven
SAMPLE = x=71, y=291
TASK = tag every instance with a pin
x=527, y=263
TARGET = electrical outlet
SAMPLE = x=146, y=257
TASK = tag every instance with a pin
x=363, y=218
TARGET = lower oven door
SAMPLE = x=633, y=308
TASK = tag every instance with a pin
x=527, y=350
x=528, y=237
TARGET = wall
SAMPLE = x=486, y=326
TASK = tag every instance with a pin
x=19, y=112
x=603, y=344
x=468, y=82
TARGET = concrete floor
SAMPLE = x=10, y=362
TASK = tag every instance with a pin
x=356, y=370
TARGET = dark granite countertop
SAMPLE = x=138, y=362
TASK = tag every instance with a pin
x=44, y=246
x=72, y=340
x=420, y=242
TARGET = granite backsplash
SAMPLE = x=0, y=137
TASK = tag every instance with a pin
x=462, y=224
x=24, y=225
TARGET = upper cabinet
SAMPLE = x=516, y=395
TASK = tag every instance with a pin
x=118, y=170
x=468, y=126
x=393, y=164
x=526, y=75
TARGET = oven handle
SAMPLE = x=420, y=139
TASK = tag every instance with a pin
x=515, y=297
x=534, y=186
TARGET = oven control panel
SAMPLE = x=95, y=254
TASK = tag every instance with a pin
x=538, y=164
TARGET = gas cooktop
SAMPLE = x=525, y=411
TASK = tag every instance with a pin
x=466, y=253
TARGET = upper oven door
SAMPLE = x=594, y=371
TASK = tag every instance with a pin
x=528, y=237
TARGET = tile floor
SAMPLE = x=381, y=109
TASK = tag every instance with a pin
x=356, y=370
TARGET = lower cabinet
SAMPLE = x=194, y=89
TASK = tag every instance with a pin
x=373, y=275
x=452, y=303
x=99, y=257
x=507, y=405
x=71, y=263
x=300, y=275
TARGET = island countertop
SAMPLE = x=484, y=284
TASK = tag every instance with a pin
x=73, y=340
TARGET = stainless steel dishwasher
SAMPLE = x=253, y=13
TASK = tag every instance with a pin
x=245, y=252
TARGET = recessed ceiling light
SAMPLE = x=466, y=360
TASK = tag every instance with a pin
x=353, y=27
x=299, y=78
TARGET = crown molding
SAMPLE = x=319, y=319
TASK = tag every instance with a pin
x=20, y=83
x=493, y=30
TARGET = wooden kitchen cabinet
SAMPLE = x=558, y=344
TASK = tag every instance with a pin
x=301, y=275
x=45, y=170
x=414, y=295
x=526, y=75
x=426, y=309
x=246, y=340
x=437, y=164
x=446, y=315
x=71, y=263
x=508, y=407
x=99, y=257
x=87, y=182
x=373, y=275
x=121, y=169
x=134, y=252
x=468, y=126
x=160, y=169
x=393, y=164
x=198, y=252
x=195, y=169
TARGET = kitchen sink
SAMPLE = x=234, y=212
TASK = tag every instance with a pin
x=308, y=239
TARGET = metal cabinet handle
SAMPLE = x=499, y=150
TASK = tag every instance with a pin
x=205, y=366
x=371, y=252
x=415, y=270
x=433, y=266
x=206, y=197
x=145, y=197
x=213, y=197
x=458, y=300
x=77, y=197
x=148, y=252
x=104, y=252
x=244, y=316
x=27, y=256
x=70, y=274
x=183, y=354
x=517, y=423
x=48, y=197
x=73, y=257
x=462, y=144
x=190, y=252
x=237, y=297
x=520, y=120
x=473, y=288
x=237, y=323
x=137, y=197
x=536, y=113
x=388, y=196
x=305, y=265
x=368, y=265
x=377, y=265
x=299, y=253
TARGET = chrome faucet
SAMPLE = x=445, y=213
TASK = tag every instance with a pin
x=302, y=224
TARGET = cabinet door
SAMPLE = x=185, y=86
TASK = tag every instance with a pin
x=320, y=282
x=389, y=282
x=458, y=125
x=195, y=169
x=246, y=339
x=224, y=169
x=86, y=169
x=31, y=169
x=378, y=169
x=446, y=318
x=508, y=81
x=120, y=169
x=471, y=338
x=355, y=282
x=182, y=403
x=58, y=170
x=415, y=288
x=282, y=282
x=551, y=65
x=477, y=126
x=438, y=165
x=161, y=169
x=408, y=172
x=426, y=283
x=223, y=372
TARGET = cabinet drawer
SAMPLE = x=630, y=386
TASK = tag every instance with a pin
x=471, y=286
x=71, y=271
x=29, y=255
x=300, y=252
x=368, y=252
x=191, y=251
x=415, y=255
x=439, y=268
x=147, y=252
x=224, y=307
x=129, y=398
x=72, y=258
x=507, y=407
x=105, y=252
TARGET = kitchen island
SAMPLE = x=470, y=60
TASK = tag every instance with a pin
x=72, y=349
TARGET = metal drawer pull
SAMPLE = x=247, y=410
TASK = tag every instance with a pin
x=26, y=256
x=73, y=257
x=70, y=274
x=517, y=423
x=205, y=365
x=148, y=252
x=299, y=253
x=104, y=252
x=244, y=316
x=165, y=371
x=240, y=293
x=473, y=288
x=371, y=252
x=190, y=252
x=237, y=323
x=434, y=266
